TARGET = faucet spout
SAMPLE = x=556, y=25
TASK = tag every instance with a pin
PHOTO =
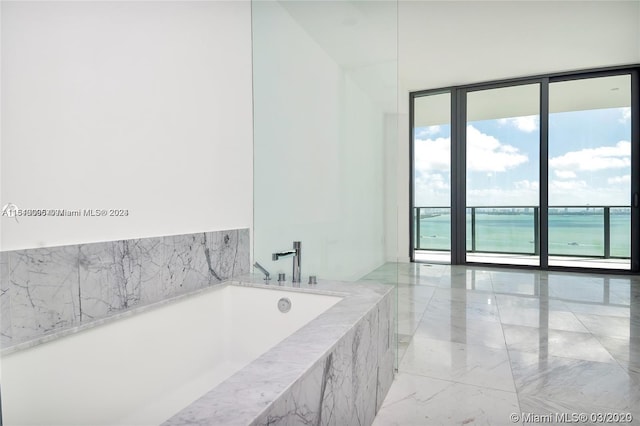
x=276, y=256
x=264, y=271
x=296, y=252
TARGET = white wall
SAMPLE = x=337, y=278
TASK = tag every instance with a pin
x=144, y=106
x=319, y=150
x=444, y=43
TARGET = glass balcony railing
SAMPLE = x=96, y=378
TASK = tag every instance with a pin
x=583, y=231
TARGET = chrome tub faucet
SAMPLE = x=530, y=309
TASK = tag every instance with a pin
x=296, y=252
x=264, y=271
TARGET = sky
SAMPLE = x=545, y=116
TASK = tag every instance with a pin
x=589, y=160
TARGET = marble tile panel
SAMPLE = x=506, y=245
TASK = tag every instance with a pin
x=505, y=281
x=620, y=291
x=5, y=302
x=443, y=308
x=577, y=287
x=532, y=317
x=416, y=400
x=533, y=302
x=386, y=333
x=409, y=296
x=606, y=326
x=566, y=344
x=596, y=309
x=626, y=352
x=114, y=275
x=385, y=376
x=574, y=381
x=44, y=290
x=48, y=289
x=463, y=295
x=403, y=343
x=342, y=389
x=457, y=362
x=469, y=280
x=460, y=330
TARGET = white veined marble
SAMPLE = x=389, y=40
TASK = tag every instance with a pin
x=45, y=290
x=144, y=368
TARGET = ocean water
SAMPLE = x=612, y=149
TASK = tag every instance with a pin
x=569, y=234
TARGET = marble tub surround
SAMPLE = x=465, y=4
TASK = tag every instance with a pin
x=336, y=370
x=46, y=290
x=489, y=342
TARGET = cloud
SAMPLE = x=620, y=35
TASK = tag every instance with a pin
x=591, y=159
x=619, y=179
x=564, y=174
x=432, y=189
x=527, y=123
x=425, y=132
x=567, y=184
x=626, y=115
x=526, y=184
x=485, y=153
x=433, y=154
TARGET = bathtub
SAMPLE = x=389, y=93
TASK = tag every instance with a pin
x=225, y=355
x=142, y=369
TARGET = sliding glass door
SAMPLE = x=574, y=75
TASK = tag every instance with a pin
x=537, y=172
x=502, y=174
x=590, y=172
x=431, y=214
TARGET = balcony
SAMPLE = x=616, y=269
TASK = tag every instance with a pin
x=592, y=236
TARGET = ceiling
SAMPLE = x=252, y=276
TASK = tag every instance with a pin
x=523, y=100
x=393, y=48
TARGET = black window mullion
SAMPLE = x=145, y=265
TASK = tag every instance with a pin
x=458, y=177
x=412, y=100
x=635, y=170
x=544, y=174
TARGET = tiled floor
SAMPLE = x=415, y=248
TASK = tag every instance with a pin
x=478, y=345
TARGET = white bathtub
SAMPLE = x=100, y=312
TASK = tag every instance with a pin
x=142, y=369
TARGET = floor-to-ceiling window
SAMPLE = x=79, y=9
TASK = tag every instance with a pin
x=590, y=172
x=502, y=135
x=540, y=172
x=431, y=213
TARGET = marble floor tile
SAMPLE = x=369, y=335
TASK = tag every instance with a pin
x=408, y=321
x=578, y=287
x=477, y=335
x=606, y=326
x=465, y=295
x=535, y=302
x=532, y=317
x=460, y=330
x=471, y=280
x=409, y=296
x=566, y=344
x=457, y=362
x=416, y=400
x=449, y=308
x=604, y=310
x=574, y=381
x=403, y=343
x=622, y=349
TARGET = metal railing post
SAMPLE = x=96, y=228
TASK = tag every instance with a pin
x=418, y=228
x=536, y=230
x=607, y=232
x=473, y=229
